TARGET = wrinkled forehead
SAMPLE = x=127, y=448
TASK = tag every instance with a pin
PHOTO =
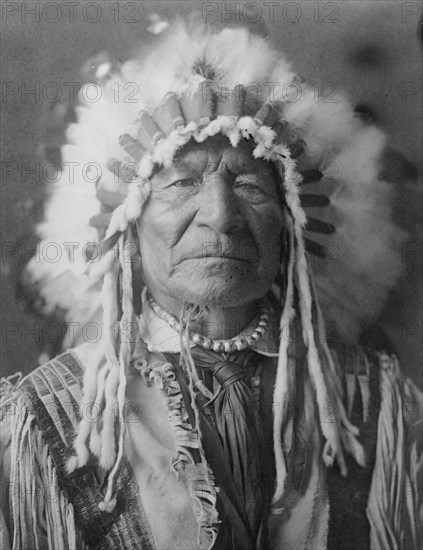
x=217, y=153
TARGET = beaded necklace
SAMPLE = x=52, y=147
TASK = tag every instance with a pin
x=237, y=343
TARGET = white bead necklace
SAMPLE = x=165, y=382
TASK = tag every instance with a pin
x=237, y=343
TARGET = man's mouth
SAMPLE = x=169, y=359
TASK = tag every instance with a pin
x=228, y=257
x=246, y=252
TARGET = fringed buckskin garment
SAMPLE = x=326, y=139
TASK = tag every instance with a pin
x=167, y=498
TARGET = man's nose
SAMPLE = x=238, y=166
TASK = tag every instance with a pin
x=219, y=209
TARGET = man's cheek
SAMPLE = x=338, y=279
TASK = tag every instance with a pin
x=270, y=248
x=274, y=215
x=267, y=234
x=158, y=231
x=272, y=227
x=268, y=213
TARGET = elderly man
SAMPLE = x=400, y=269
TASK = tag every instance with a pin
x=203, y=418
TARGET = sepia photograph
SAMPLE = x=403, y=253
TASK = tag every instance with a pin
x=211, y=275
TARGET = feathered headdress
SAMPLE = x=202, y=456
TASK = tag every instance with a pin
x=198, y=83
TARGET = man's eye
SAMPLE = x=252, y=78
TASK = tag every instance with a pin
x=249, y=187
x=186, y=182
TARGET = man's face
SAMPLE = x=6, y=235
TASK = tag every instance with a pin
x=210, y=232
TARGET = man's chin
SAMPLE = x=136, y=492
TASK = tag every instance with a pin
x=217, y=283
x=218, y=292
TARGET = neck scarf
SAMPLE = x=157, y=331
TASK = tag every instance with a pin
x=235, y=414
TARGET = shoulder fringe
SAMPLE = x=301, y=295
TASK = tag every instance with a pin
x=41, y=516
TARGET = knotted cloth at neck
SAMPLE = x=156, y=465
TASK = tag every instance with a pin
x=237, y=420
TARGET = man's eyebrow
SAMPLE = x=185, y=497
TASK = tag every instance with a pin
x=198, y=162
x=189, y=159
x=243, y=162
x=177, y=165
x=186, y=162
